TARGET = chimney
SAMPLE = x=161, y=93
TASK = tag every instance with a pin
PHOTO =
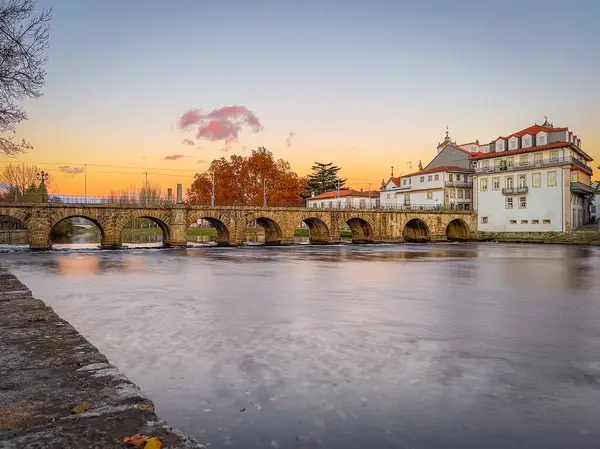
x=579, y=143
x=179, y=194
x=170, y=194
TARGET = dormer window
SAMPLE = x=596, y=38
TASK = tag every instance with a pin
x=473, y=149
x=541, y=139
x=513, y=144
x=499, y=145
x=526, y=141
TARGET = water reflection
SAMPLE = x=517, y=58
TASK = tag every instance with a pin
x=422, y=346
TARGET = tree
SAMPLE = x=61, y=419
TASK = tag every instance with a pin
x=15, y=179
x=23, y=41
x=243, y=181
x=148, y=194
x=324, y=178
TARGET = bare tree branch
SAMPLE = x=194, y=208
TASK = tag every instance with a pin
x=23, y=43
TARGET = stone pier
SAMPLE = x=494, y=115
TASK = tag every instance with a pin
x=47, y=368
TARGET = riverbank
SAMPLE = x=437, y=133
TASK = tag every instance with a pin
x=572, y=238
x=57, y=390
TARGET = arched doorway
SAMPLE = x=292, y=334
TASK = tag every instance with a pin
x=315, y=229
x=145, y=230
x=416, y=230
x=457, y=230
x=362, y=232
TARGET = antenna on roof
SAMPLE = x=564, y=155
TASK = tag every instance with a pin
x=392, y=171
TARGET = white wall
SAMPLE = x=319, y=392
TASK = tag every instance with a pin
x=344, y=202
x=543, y=203
x=596, y=204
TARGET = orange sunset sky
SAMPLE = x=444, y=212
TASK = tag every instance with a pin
x=365, y=86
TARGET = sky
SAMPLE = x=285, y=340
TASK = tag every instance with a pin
x=365, y=84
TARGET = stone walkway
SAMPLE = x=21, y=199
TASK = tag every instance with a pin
x=47, y=368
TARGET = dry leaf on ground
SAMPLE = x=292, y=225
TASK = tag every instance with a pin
x=81, y=408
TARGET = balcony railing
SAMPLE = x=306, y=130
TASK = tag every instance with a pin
x=535, y=164
x=463, y=184
x=515, y=190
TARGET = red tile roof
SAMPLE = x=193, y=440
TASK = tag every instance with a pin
x=451, y=168
x=530, y=149
x=533, y=129
x=345, y=193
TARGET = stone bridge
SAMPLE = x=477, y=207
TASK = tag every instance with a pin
x=367, y=226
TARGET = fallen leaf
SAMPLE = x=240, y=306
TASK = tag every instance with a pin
x=153, y=443
x=81, y=408
x=145, y=406
x=136, y=440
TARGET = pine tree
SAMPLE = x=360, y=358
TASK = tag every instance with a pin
x=324, y=178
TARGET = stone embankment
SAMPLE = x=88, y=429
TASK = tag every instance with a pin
x=57, y=391
x=573, y=238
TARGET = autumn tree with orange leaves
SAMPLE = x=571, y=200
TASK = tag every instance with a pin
x=240, y=180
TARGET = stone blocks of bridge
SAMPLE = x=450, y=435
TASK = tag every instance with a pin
x=231, y=223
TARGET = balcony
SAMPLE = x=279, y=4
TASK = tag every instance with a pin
x=549, y=162
x=523, y=190
x=461, y=184
x=583, y=189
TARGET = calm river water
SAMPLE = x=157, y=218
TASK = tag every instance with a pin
x=382, y=346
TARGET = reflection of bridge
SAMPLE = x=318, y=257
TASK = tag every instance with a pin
x=231, y=222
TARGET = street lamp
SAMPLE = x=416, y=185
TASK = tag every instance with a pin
x=42, y=176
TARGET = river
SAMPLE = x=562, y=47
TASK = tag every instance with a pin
x=380, y=346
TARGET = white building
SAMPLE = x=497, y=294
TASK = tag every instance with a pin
x=535, y=180
x=345, y=199
x=448, y=187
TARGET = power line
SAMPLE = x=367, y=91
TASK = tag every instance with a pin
x=103, y=165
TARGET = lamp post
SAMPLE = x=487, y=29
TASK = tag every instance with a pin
x=43, y=177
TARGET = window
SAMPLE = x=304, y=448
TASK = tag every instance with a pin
x=509, y=202
x=450, y=177
x=484, y=220
x=523, y=160
x=483, y=184
x=593, y=211
x=407, y=198
x=573, y=176
x=362, y=204
x=458, y=177
x=513, y=144
x=524, y=222
x=422, y=179
x=554, y=154
x=536, y=179
x=452, y=194
x=460, y=194
x=430, y=177
x=496, y=183
x=429, y=195
x=538, y=158
x=546, y=221
x=388, y=196
x=437, y=177
x=526, y=141
x=541, y=140
x=551, y=179
x=509, y=182
x=513, y=221
x=522, y=202
x=510, y=162
x=468, y=194
x=404, y=182
x=522, y=181
x=535, y=221
x=485, y=165
x=497, y=163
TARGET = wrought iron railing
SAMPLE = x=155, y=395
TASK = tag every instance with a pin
x=515, y=190
x=463, y=184
x=492, y=168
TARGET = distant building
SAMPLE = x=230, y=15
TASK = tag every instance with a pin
x=448, y=187
x=345, y=199
x=536, y=179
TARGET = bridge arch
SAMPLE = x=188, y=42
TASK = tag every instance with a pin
x=416, y=230
x=15, y=214
x=103, y=226
x=319, y=230
x=457, y=229
x=362, y=230
x=222, y=223
x=158, y=217
x=273, y=232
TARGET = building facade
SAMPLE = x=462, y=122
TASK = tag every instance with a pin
x=595, y=206
x=441, y=187
x=535, y=180
x=345, y=199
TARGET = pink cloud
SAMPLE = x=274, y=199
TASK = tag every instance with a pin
x=220, y=124
x=174, y=157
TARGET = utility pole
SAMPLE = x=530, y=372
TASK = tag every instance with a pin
x=264, y=192
x=85, y=182
x=146, y=189
x=212, y=198
x=337, y=195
